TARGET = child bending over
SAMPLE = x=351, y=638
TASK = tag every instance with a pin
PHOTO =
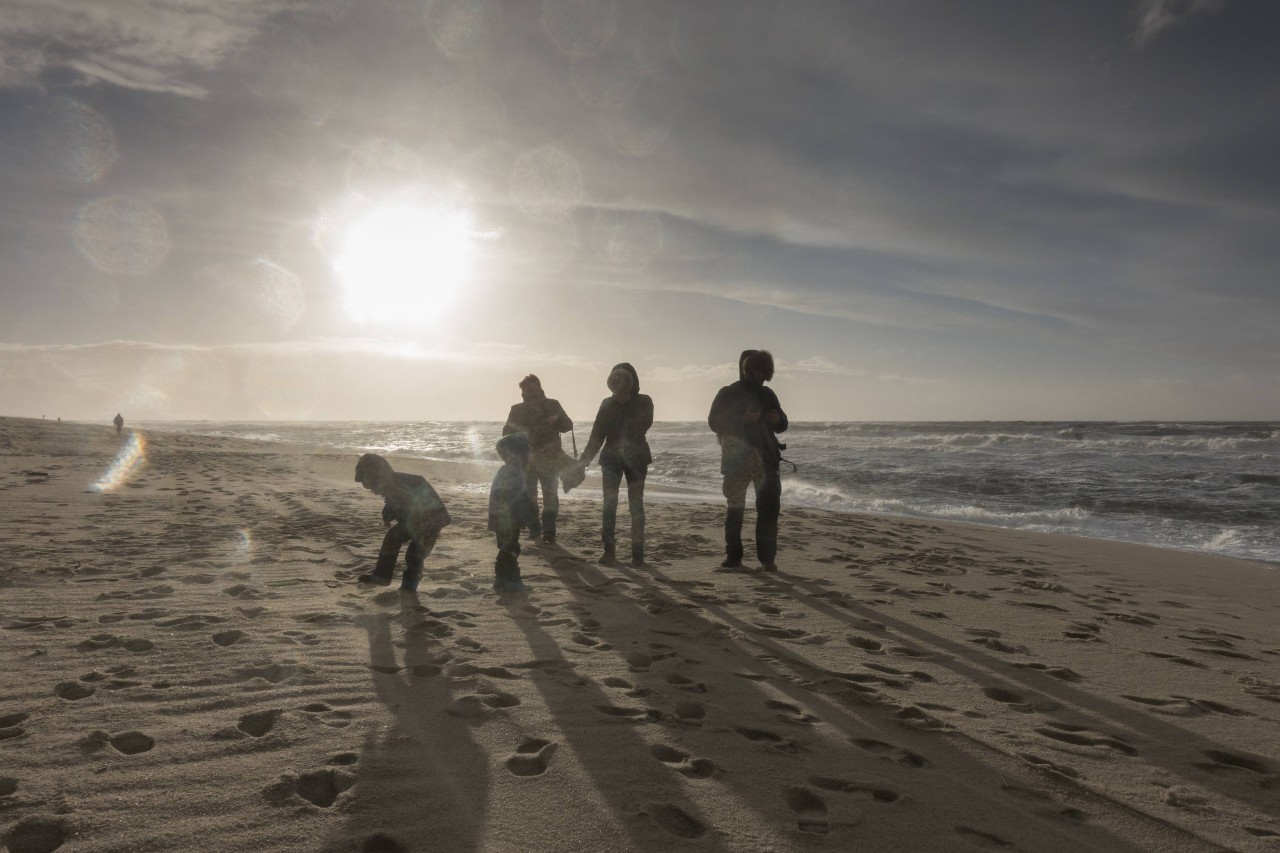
x=412, y=513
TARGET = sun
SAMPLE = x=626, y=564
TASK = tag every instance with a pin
x=404, y=263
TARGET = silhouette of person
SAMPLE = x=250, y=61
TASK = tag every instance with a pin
x=119, y=422
x=746, y=417
x=541, y=420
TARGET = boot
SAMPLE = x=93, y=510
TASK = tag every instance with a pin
x=375, y=579
x=409, y=581
x=637, y=556
x=608, y=558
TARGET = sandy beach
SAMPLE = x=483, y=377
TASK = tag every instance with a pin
x=189, y=664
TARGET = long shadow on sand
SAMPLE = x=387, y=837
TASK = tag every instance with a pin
x=423, y=780
x=758, y=726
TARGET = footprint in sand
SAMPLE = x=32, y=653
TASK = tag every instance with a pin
x=258, y=723
x=10, y=726
x=674, y=820
x=319, y=787
x=677, y=680
x=479, y=705
x=1061, y=673
x=73, y=690
x=683, y=763
x=229, y=638
x=1080, y=736
x=532, y=757
x=772, y=739
x=325, y=714
x=131, y=742
x=38, y=833
x=889, y=752
x=846, y=786
x=302, y=638
x=793, y=714
x=809, y=809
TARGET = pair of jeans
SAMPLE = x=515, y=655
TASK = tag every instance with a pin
x=612, y=472
x=420, y=548
x=768, y=489
x=549, y=479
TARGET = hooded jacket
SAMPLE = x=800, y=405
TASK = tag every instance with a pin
x=747, y=447
x=621, y=428
x=509, y=503
x=408, y=499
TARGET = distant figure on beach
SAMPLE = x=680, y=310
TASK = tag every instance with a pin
x=119, y=422
x=620, y=427
x=412, y=513
x=510, y=508
x=541, y=420
x=746, y=418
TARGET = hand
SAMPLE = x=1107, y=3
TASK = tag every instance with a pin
x=386, y=524
x=771, y=417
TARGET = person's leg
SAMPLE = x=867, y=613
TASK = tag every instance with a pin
x=635, y=501
x=735, y=495
x=612, y=477
x=414, y=557
x=768, y=506
x=531, y=489
x=387, y=555
x=550, y=482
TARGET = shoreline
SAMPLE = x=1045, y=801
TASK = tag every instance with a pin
x=192, y=665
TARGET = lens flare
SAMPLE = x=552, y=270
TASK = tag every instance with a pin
x=128, y=464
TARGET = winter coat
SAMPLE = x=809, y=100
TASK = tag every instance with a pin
x=746, y=447
x=530, y=417
x=621, y=428
x=410, y=500
x=509, y=503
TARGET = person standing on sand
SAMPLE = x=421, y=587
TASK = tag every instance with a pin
x=412, y=512
x=119, y=422
x=746, y=418
x=620, y=427
x=510, y=508
x=541, y=420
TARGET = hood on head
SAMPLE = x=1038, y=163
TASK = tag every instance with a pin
x=514, y=447
x=635, y=377
x=762, y=354
x=372, y=469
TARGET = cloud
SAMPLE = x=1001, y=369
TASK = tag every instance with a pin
x=1155, y=16
x=152, y=45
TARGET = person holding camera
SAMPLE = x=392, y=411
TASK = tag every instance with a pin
x=746, y=418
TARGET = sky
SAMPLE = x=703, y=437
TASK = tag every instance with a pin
x=377, y=210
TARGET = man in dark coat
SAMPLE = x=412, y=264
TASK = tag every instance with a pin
x=746, y=418
x=620, y=427
x=541, y=420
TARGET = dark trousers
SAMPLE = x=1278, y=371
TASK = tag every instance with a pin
x=768, y=488
x=612, y=473
x=419, y=549
x=536, y=476
x=507, y=564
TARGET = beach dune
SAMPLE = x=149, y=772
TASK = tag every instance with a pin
x=189, y=664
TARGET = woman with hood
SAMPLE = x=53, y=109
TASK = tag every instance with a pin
x=620, y=427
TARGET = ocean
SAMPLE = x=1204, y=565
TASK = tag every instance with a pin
x=1210, y=487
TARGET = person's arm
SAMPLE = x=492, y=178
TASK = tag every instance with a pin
x=721, y=419
x=597, y=435
x=781, y=425
x=563, y=424
x=644, y=415
x=513, y=422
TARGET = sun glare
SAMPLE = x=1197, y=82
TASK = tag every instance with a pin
x=404, y=263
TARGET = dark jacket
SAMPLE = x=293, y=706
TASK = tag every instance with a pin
x=746, y=447
x=530, y=418
x=411, y=501
x=509, y=503
x=621, y=428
